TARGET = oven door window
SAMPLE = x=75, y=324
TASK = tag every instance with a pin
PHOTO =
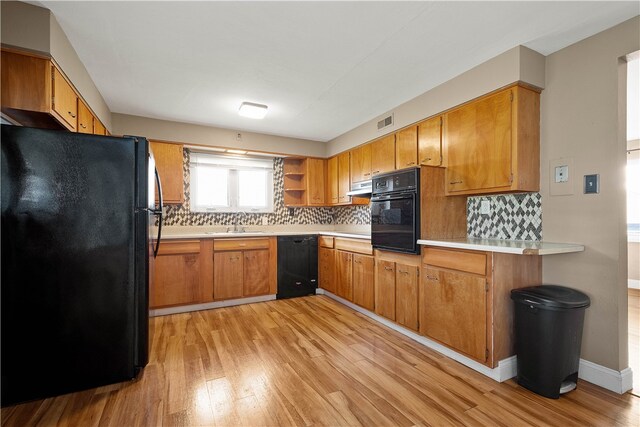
x=393, y=224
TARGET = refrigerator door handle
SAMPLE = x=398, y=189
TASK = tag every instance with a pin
x=159, y=213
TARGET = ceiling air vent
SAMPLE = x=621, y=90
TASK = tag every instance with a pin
x=387, y=121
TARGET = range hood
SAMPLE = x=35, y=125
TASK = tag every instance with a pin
x=362, y=188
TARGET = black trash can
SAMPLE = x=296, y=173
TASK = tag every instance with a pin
x=548, y=334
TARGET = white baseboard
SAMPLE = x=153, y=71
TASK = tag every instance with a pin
x=633, y=283
x=616, y=381
x=209, y=305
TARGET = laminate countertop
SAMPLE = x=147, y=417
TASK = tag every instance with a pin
x=520, y=247
x=191, y=234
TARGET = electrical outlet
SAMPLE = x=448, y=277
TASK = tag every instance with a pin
x=562, y=173
x=265, y=220
x=238, y=136
x=485, y=207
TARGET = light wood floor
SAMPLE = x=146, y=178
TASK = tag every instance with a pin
x=310, y=361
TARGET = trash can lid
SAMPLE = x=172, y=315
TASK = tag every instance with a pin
x=551, y=296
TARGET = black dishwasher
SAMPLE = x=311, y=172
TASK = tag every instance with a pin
x=297, y=266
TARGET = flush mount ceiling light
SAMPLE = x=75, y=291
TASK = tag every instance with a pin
x=252, y=110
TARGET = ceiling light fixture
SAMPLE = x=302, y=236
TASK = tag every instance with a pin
x=252, y=110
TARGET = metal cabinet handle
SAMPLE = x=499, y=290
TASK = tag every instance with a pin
x=298, y=283
x=403, y=272
x=434, y=278
x=455, y=182
x=375, y=172
x=71, y=114
x=428, y=159
x=388, y=268
x=411, y=163
x=82, y=126
x=357, y=261
x=367, y=174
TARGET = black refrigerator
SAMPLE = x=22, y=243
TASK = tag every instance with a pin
x=77, y=218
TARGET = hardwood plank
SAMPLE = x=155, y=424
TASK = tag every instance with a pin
x=309, y=361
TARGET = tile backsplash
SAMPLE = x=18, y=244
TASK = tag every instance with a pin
x=181, y=215
x=512, y=217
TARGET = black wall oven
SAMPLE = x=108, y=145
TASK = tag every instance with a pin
x=395, y=211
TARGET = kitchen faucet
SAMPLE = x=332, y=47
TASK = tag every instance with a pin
x=237, y=228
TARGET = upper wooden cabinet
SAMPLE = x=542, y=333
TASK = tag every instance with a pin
x=492, y=144
x=316, y=182
x=85, y=118
x=407, y=148
x=64, y=101
x=169, y=161
x=430, y=142
x=304, y=181
x=344, y=183
x=332, y=181
x=383, y=154
x=98, y=127
x=361, y=163
x=36, y=93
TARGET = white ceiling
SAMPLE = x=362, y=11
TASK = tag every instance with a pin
x=323, y=68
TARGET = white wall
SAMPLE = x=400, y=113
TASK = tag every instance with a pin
x=517, y=64
x=124, y=124
x=583, y=117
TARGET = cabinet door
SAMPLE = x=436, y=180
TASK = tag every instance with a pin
x=344, y=184
x=256, y=273
x=344, y=276
x=385, y=285
x=407, y=148
x=176, y=275
x=361, y=163
x=85, y=118
x=98, y=127
x=65, y=101
x=326, y=269
x=227, y=275
x=383, y=155
x=407, y=295
x=169, y=163
x=478, y=141
x=316, y=181
x=453, y=310
x=430, y=142
x=363, y=288
x=332, y=181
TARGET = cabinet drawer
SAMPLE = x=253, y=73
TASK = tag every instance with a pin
x=179, y=247
x=354, y=245
x=325, y=241
x=240, y=244
x=471, y=262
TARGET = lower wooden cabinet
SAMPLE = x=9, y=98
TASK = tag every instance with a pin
x=182, y=273
x=385, y=284
x=464, y=299
x=326, y=269
x=454, y=310
x=363, y=288
x=199, y=271
x=244, y=267
x=228, y=275
x=344, y=270
x=255, y=273
x=407, y=295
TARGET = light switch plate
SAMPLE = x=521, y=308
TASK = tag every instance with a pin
x=592, y=184
x=562, y=166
